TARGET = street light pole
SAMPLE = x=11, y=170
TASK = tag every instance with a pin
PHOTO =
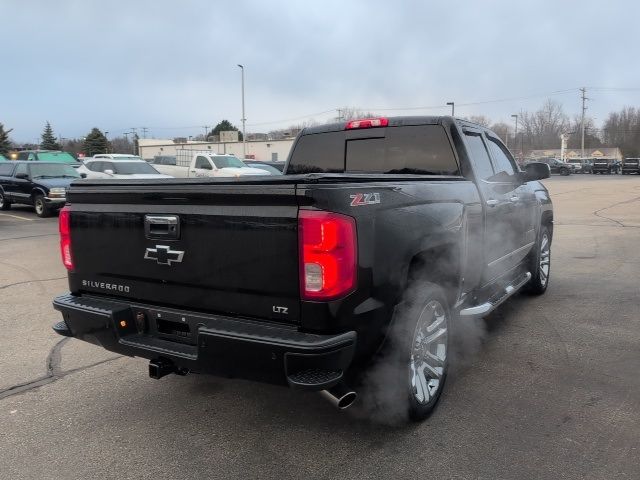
x=515, y=135
x=244, y=132
x=453, y=108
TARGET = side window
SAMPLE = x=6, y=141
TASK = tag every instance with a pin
x=501, y=159
x=203, y=162
x=5, y=169
x=23, y=156
x=479, y=155
x=21, y=168
x=108, y=166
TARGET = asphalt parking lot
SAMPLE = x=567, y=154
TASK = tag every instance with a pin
x=553, y=391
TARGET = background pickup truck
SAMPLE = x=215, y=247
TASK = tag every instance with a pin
x=206, y=164
x=384, y=237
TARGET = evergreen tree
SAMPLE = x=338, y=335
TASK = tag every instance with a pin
x=49, y=139
x=95, y=142
x=224, y=126
x=5, y=143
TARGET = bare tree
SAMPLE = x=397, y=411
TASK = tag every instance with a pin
x=480, y=120
x=542, y=128
x=591, y=134
x=503, y=131
x=622, y=129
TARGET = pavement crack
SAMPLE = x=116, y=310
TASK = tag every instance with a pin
x=31, y=281
x=597, y=212
x=54, y=359
x=29, y=236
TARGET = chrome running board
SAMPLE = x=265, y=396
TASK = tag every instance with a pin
x=495, y=301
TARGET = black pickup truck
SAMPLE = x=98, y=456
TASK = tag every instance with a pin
x=631, y=165
x=381, y=239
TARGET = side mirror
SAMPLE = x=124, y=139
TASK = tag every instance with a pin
x=108, y=172
x=22, y=176
x=83, y=175
x=536, y=171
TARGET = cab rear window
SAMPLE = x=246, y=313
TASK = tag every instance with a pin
x=420, y=149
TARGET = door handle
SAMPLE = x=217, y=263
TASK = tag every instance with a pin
x=492, y=202
x=514, y=198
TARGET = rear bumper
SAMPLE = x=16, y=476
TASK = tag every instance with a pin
x=212, y=344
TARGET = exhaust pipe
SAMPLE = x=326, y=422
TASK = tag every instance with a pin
x=161, y=367
x=340, y=395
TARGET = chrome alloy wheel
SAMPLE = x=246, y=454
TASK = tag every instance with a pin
x=545, y=259
x=39, y=206
x=429, y=352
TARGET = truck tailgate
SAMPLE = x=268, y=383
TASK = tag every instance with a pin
x=236, y=251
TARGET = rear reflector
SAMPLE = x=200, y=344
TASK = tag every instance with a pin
x=367, y=123
x=328, y=255
x=64, y=226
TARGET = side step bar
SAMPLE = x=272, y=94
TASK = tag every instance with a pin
x=494, y=302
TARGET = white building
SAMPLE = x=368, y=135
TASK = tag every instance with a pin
x=270, y=151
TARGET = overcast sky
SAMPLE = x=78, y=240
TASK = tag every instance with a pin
x=171, y=65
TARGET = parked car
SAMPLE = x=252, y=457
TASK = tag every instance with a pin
x=208, y=164
x=274, y=168
x=41, y=184
x=382, y=233
x=119, y=167
x=56, y=156
x=3, y=158
x=631, y=165
x=556, y=166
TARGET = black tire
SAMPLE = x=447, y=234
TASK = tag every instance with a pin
x=564, y=172
x=542, y=253
x=4, y=204
x=42, y=209
x=404, y=392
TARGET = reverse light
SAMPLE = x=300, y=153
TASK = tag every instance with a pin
x=367, y=123
x=64, y=227
x=328, y=254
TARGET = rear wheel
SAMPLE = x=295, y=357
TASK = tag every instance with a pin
x=4, y=204
x=540, y=264
x=564, y=171
x=42, y=209
x=411, y=374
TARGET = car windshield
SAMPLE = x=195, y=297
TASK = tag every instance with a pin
x=58, y=157
x=131, y=168
x=228, y=161
x=49, y=170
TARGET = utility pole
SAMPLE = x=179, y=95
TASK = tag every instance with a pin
x=144, y=132
x=206, y=131
x=339, y=114
x=515, y=135
x=453, y=108
x=584, y=109
x=244, y=133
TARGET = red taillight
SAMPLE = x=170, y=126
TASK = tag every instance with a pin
x=64, y=226
x=328, y=254
x=367, y=123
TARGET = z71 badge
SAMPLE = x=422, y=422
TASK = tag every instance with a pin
x=360, y=199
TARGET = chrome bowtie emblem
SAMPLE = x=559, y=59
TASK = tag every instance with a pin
x=163, y=255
